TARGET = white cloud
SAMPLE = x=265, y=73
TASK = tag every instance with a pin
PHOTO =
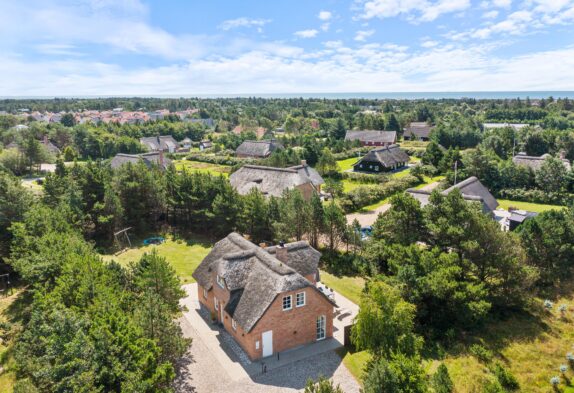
x=490, y=14
x=414, y=10
x=429, y=44
x=325, y=15
x=242, y=22
x=362, y=35
x=306, y=33
x=325, y=26
x=502, y=3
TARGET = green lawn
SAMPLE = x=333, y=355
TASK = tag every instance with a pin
x=532, y=207
x=347, y=164
x=350, y=287
x=429, y=180
x=399, y=174
x=203, y=167
x=354, y=361
x=183, y=255
x=350, y=185
x=376, y=205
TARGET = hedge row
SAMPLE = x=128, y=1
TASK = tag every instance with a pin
x=367, y=195
x=535, y=196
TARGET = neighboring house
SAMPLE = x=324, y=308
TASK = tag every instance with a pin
x=372, y=138
x=274, y=181
x=266, y=298
x=534, y=162
x=382, y=160
x=516, y=126
x=149, y=159
x=257, y=149
x=472, y=190
x=417, y=131
x=164, y=143
x=185, y=144
x=205, y=145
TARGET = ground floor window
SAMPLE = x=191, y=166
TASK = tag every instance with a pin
x=205, y=293
x=233, y=324
x=321, y=332
x=216, y=303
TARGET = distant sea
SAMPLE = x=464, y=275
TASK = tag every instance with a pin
x=389, y=95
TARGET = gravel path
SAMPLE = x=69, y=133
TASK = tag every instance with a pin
x=200, y=372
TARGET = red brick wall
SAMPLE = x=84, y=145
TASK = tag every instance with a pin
x=290, y=328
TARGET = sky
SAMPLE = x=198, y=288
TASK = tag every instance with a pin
x=189, y=47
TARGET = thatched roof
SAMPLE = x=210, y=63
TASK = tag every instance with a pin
x=388, y=156
x=534, y=162
x=372, y=136
x=260, y=149
x=254, y=276
x=472, y=190
x=153, y=143
x=418, y=129
x=149, y=159
x=273, y=181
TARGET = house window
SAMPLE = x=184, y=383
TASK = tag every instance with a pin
x=377, y=168
x=205, y=293
x=233, y=324
x=320, y=332
x=361, y=165
x=300, y=299
x=220, y=281
x=216, y=303
x=286, y=303
x=256, y=344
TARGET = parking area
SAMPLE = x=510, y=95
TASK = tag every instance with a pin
x=215, y=363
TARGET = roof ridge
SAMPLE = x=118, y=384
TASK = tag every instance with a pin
x=289, y=170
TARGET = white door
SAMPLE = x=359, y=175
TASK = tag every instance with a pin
x=221, y=307
x=267, y=339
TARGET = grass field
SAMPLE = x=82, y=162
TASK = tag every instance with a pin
x=183, y=255
x=532, y=207
x=9, y=313
x=203, y=167
x=350, y=287
x=345, y=165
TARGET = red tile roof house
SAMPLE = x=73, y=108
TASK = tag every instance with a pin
x=266, y=298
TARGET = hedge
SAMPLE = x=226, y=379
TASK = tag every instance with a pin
x=364, y=196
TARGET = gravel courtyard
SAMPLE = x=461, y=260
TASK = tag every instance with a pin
x=201, y=373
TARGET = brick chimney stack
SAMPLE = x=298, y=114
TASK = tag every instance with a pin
x=282, y=253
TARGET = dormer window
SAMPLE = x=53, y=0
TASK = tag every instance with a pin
x=220, y=281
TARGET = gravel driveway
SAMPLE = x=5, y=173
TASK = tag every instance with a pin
x=200, y=372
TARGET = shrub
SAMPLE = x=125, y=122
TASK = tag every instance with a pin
x=481, y=353
x=505, y=377
x=492, y=386
x=441, y=381
x=364, y=196
x=323, y=385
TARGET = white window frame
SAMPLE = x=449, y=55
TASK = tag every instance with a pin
x=290, y=302
x=297, y=299
x=216, y=303
x=233, y=324
x=205, y=293
x=320, y=327
x=256, y=344
x=220, y=281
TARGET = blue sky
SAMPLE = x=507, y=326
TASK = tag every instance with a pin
x=188, y=47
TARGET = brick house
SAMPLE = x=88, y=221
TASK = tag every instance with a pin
x=266, y=298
